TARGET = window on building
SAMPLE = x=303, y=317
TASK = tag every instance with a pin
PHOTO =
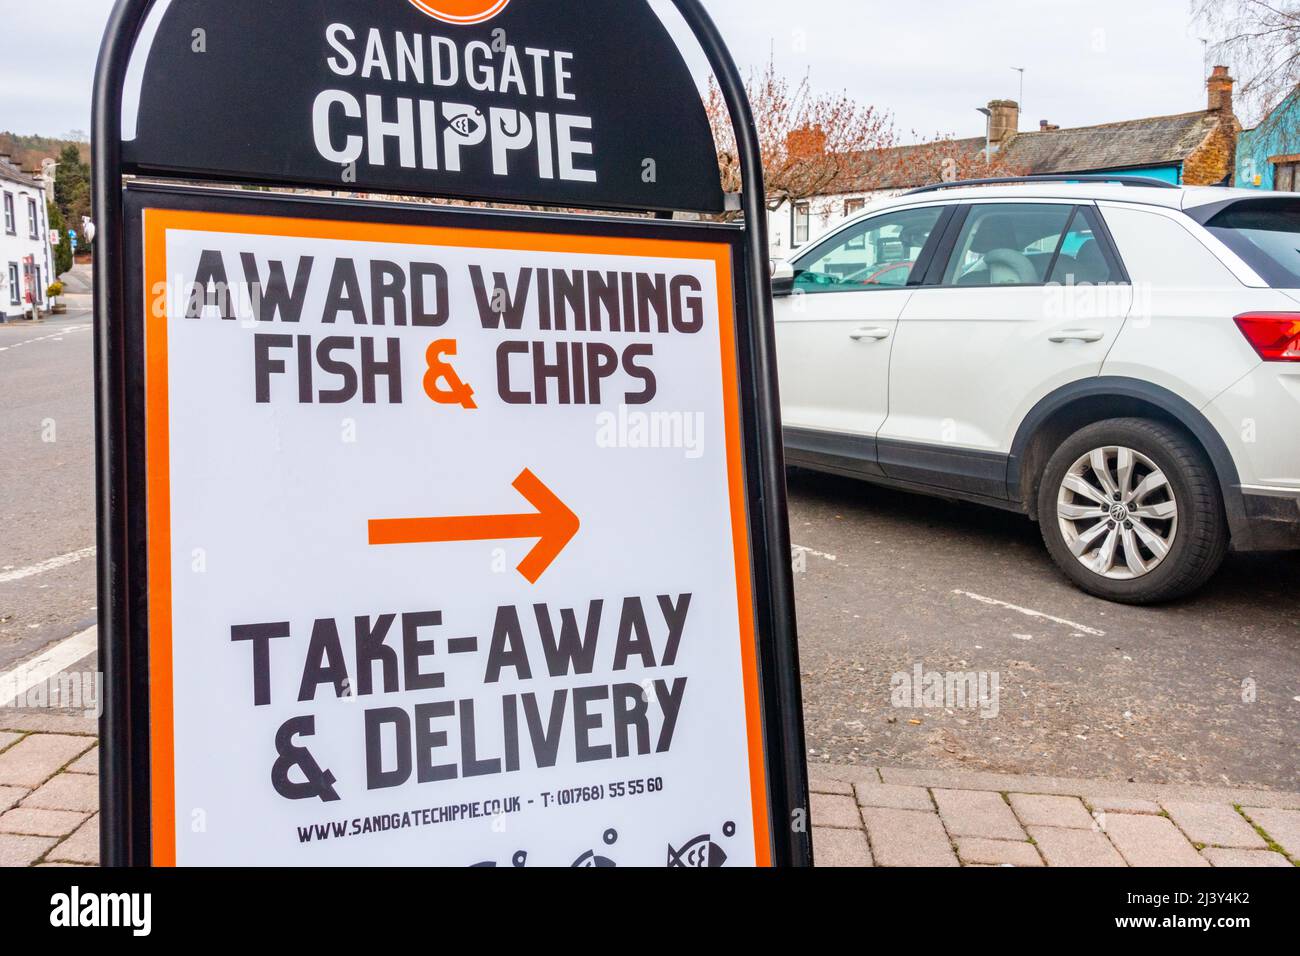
x=11, y=226
x=33, y=223
x=15, y=285
x=851, y=208
x=1284, y=177
x=802, y=219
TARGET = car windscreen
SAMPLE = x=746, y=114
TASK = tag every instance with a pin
x=1266, y=234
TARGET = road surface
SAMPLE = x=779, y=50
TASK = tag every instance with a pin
x=1204, y=691
x=47, y=482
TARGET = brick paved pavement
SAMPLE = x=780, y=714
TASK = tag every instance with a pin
x=950, y=818
x=49, y=790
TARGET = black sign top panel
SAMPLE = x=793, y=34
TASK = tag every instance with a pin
x=581, y=103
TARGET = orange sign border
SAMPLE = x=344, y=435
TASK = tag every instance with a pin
x=157, y=223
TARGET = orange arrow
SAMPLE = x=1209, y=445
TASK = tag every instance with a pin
x=552, y=523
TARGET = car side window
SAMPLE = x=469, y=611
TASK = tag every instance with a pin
x=1007, y=244
x=1083, y=259
x=877, y=253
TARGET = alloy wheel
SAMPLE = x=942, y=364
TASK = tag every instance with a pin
x=1117, y=512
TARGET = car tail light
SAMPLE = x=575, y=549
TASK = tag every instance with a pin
x=1274, y=335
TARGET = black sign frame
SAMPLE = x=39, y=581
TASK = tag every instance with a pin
x=122, y=534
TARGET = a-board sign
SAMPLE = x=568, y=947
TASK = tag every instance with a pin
x=448, y=556
x=437, y=536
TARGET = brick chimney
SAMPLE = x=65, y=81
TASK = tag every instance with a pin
x=1004, y=121
x=807, y=142
x=1046, y=127
x=1220, y=86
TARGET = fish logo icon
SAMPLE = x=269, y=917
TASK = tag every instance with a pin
x=699, y=853
x=461, y=12
x=592, y=859
x=466, y=124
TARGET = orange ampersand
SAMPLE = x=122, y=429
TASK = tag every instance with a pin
x=454, y=391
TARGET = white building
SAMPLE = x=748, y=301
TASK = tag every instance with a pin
x=25, y=256
x=794, y=225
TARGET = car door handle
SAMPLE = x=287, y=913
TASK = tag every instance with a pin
x=1078, y=335
x=872, y=333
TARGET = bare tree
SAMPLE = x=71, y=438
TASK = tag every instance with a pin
x=1260, y=40
x=818, y=145
x=812, y=143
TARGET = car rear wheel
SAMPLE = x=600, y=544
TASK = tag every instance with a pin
x=1130, y=510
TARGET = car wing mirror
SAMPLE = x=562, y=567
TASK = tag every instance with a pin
x=782, y=277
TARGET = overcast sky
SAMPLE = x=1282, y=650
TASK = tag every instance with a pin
x=929, y=62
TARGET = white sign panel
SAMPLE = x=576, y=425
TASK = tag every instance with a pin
x=448, y=557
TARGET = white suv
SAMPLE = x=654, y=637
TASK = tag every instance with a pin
x=1119, y=359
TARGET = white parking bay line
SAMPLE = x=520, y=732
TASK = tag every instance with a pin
x=50, y=564
x=15, y=683
x=50, y=337
x=1030, y=612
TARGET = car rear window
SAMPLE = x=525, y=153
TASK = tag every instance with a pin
x=1266, y=234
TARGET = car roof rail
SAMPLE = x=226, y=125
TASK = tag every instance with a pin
x=1147, y=181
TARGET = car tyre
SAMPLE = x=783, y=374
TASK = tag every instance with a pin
x=1131, y=511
